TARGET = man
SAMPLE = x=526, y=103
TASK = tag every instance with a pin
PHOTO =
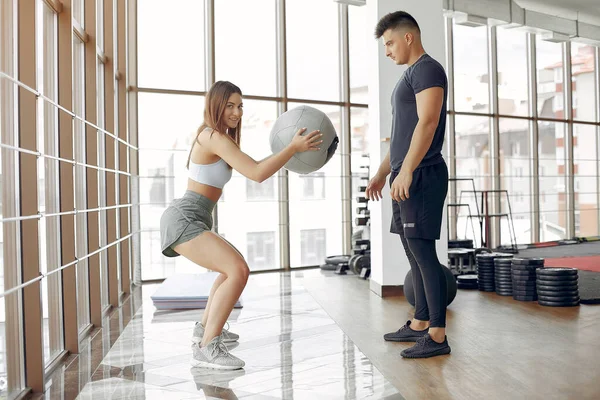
x=419, y=179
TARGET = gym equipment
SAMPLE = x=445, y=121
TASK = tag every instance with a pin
x=523, y=272
x=359, y=261
x=332, y=262
x=468, y=281
x=289, y=123
x=450, y=280
x=557, y=287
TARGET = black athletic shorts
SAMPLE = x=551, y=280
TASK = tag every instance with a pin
x=421, y=213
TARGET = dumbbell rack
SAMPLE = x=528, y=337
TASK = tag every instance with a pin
x=361, y=247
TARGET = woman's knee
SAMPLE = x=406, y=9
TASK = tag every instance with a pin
x=240, y=271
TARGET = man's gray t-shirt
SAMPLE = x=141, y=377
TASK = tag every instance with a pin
x=423, y=74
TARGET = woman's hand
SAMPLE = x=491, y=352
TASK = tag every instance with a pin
x=310, y=142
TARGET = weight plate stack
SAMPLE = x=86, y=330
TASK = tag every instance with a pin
x=503, y=276
x=524, y=278
x=486, y=271
x=557, y=287
x=467, y=281
x=460, y=244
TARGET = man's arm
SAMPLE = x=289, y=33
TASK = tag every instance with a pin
x=385, y=168
x=429, y=106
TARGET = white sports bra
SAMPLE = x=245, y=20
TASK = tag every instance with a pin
x=216, y=174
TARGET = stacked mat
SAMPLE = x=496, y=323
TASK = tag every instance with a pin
x=185, y=291
x=524, y=278
x=557, y=287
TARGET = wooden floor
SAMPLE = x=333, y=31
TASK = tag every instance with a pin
x=501, y=348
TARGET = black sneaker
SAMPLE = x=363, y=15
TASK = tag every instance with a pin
x=427, y=347
x=405, y=334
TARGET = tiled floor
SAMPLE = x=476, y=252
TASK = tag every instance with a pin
x=292, y=350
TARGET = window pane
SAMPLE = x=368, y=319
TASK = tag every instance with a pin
x=359, y=158
x=250, y=207
x=256, y=46
x=101, y=138
x=471, y=91
x=551, y=150
x=78, y=12
x=549, y=79
x=100, y=24
x=167, y=127
x=12, y=378
x=515, y=175
x=585, y=170
x=359, y=74
x=48, y=189
x=79, y=184
x=513, y=98
x=312, y=69
x=582, y=69
x=309, y=214
x=472, y=163
x=171, y=45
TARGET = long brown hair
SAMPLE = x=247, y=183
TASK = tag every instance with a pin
x=216, y=102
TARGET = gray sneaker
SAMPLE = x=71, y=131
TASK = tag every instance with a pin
x=226, y=336
x=215, y=355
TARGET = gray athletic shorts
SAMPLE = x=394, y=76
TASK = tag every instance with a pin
x=185, y=219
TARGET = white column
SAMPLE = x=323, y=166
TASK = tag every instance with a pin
x=389, y=264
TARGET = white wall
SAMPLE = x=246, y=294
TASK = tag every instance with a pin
x=389, y=264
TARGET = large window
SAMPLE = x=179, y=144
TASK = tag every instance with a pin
x=550, y=190
x=271, y=81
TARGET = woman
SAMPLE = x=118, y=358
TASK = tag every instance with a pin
x=186, y=224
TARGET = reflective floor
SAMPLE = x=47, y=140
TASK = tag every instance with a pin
x=292, y=350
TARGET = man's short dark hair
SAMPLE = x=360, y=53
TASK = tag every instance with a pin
x=395, y=20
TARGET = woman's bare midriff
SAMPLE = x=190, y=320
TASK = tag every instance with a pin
x=210, y=192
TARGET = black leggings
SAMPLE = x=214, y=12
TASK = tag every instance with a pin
x=429, y=280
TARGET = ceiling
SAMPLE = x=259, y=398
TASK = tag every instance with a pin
x=583, y=10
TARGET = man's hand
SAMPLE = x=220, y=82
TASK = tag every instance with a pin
x=401, y=185
x=374, y=187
